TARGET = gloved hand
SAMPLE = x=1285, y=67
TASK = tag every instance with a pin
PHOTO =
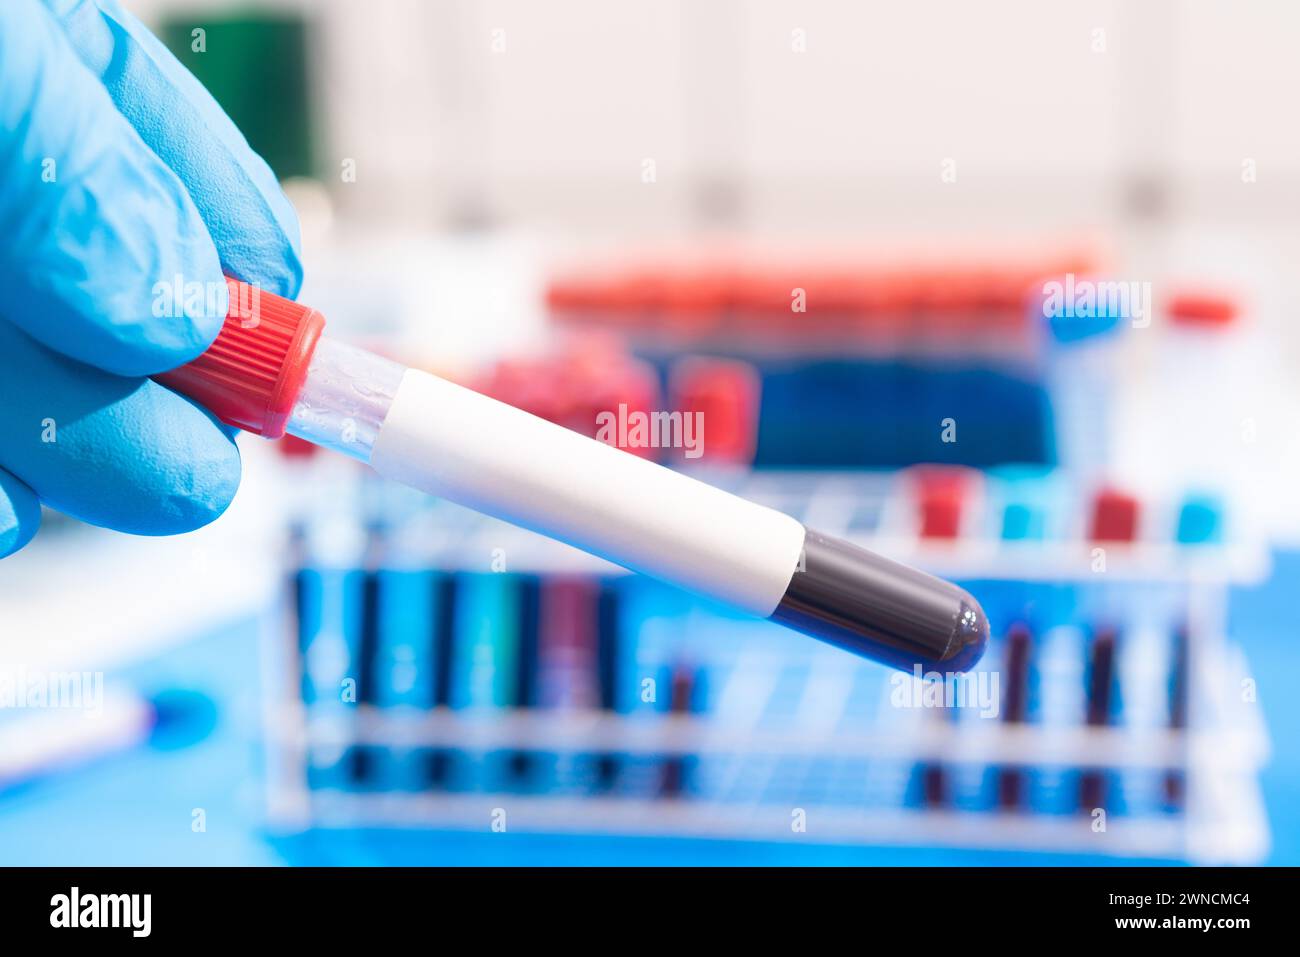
x=119, y=176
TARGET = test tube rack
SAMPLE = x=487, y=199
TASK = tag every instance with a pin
x=447, y=671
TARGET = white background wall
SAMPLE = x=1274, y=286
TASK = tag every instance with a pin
x=828, y=119
x=542, y=113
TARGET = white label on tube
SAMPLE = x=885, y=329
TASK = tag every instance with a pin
x=457, y=444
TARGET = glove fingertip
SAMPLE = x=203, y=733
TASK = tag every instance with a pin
x=250, y=219
x=201, y=488
x=106, y=257
x=174, y=320
x=20, y=514
x=126, y=454
x=192, y=304
x=271, y=262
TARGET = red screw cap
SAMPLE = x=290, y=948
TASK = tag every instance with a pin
x=726, y=394
x=251, y=375
x=1114, y=517
x=1203, y=309
x=942, y=494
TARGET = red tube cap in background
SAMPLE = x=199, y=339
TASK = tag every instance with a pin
x=251, y=375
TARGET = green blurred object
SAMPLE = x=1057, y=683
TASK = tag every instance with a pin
x=256, y=67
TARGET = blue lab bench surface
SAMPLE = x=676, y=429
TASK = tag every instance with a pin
x=137, y=807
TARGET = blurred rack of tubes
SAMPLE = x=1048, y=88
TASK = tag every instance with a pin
x=439, y=666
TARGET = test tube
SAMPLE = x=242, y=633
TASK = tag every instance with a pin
x=1101, y=680
x=270, y=371
x=1015, y=710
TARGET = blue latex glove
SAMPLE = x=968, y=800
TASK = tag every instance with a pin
x=118, y=172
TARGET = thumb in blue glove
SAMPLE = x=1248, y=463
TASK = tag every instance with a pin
x=125, y=190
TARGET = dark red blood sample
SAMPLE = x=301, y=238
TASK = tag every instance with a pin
x=1015, y=707
x=567, y=663
x=1101, y=678
x=934, y=784
x=1011, y=788
x=1174, y=784
x=673, y=780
